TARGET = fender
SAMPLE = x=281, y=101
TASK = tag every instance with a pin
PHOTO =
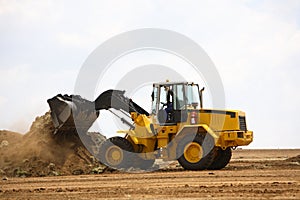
x=195, y=129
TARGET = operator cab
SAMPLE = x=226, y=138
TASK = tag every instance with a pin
x=171, y=101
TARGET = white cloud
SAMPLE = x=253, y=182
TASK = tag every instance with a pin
x=30, y=11
x=3, y=100
x=14, y=75
x=72, y=40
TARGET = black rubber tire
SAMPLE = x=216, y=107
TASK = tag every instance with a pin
x=142, y=163
x=222, y=158
x=127, y=150
x=207, y=144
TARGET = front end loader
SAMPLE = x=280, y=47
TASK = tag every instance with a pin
x=177, y=128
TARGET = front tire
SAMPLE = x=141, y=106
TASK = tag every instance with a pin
x=196, y=152
x=116, y=152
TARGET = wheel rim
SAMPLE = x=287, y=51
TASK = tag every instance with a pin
x=193, y=152
x=114, y=155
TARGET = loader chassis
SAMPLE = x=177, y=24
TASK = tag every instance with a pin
x=176, y=128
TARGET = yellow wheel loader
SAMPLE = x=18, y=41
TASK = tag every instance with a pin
x=177, y=128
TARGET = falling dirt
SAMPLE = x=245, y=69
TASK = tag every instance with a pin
x=41, y=153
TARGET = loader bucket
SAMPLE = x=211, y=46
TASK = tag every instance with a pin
x=71, y=114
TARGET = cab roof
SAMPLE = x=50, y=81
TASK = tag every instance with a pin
x=173, y=83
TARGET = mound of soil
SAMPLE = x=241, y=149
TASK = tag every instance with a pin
x=294, y=159
x=41, y=153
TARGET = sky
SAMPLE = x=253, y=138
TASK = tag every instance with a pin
x=255, y=46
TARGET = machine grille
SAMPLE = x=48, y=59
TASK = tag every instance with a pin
x=243, y=126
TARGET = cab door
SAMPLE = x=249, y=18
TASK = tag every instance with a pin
x=180, y=113
x=169, y=103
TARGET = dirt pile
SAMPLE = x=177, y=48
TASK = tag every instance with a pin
x=294, y=159
x=40, y=153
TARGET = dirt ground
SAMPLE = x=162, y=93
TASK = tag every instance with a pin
x=251, y=174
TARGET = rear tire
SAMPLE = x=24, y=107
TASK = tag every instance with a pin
x=196, y=152
x=116, y=152
x=222, y=158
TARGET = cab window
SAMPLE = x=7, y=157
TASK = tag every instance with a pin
x=180, y=100
x=193, y=99
x=154, y=100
